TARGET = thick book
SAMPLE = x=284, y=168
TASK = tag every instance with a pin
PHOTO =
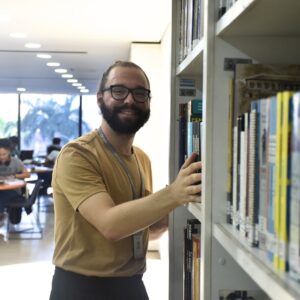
x=252, y=203
x=294, y=242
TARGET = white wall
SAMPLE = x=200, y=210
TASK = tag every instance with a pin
x=153, y=138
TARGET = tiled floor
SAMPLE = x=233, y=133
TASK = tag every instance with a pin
x=26, y=268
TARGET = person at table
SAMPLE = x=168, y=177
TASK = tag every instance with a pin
x=55, y=146
x=10, y=167
x=15, y=152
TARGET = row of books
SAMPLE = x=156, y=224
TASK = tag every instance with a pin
x=265, y=202
x=190, y=26
x=190, y=127
x=191, y=262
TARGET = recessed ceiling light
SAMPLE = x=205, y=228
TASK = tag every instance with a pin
x=20, y=89
x=84, y=90
x=76, y=84
x=32, y=45
x=67, y=76
x=81, y=87
x=61, y=70
x=44, y=56
x=72, y=80
x=53, y=64
x=18, y=35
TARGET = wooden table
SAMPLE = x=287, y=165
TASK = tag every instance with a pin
x=11, y=184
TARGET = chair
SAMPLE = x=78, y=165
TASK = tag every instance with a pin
x=14, y=228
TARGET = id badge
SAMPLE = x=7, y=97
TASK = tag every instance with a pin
x=138, y=249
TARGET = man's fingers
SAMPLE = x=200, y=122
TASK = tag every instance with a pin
x=192, y=158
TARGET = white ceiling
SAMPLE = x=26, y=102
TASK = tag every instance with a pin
x=84, y=36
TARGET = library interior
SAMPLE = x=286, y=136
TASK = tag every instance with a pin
x=222, y=81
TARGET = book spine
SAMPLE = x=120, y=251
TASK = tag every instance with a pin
x=271, y=177
x=229, y=153
x=262, y=156
x=250, y=220
x=277, y=179
x=285, y=182
x=294, y=243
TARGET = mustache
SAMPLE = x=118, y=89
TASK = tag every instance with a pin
x=126, y=107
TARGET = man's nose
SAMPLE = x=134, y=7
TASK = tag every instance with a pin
x=129, y=98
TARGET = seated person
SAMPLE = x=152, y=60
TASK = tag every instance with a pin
x=10, y=167
x=14, y=140
x=51, y=158
x=54, y=146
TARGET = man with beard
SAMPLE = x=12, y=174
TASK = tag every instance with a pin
x=105, y=210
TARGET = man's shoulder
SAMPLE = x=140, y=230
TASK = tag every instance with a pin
x=88, y=142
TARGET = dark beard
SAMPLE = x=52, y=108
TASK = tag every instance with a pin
x=125, y=127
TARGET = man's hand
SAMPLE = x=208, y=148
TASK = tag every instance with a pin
x=186, y=187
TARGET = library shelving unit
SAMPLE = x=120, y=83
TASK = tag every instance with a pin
x=265, y=31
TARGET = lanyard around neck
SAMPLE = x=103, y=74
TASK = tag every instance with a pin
x=124, y=165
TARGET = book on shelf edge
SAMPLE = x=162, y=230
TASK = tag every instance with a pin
x=294, y=241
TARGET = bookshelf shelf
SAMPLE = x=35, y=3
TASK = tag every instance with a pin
x=263, y=18
x=196, y=210
x=277, y=285
x=192, y=64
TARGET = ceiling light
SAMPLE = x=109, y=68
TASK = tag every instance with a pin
x=32, y=45
x=20, y=89
x=18, y=35
x=76, y=84
x=67, y=76
x=72, y=80
x=44, y=56
x=61, y=70
x=81, y=87
x=84, y=90
x=53, y=64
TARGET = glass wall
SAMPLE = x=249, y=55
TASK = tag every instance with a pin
x=46, y=116
x=8, y=115
x=38, y=118
x=91, y=115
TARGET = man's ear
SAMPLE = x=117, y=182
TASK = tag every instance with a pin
x=99, y=98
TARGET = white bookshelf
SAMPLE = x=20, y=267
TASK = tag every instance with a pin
x=266, y=31
x=253, y=261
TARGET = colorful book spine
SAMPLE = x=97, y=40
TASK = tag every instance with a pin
x=277, y=179
x=285, y=181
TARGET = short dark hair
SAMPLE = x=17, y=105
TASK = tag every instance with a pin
x=14, y=139
x=56, y=140
x=5, y=143
x=120, y=63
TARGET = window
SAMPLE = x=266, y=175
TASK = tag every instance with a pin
x=8, y=115
x=91, y=115
x=46, y=116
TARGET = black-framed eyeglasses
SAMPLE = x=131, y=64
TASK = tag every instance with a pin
x=120, y=93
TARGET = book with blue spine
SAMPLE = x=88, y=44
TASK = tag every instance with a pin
x=271, y=177
x=294, y=242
